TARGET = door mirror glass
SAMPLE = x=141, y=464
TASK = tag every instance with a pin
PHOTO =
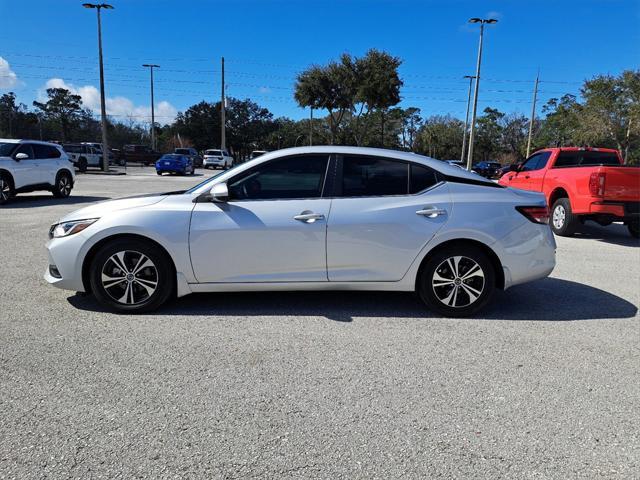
x=21, y=156
x=220, y=192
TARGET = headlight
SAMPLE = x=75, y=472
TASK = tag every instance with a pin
x=69, y=228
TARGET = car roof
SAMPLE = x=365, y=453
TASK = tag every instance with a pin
x=439, y=165
x=22, y=140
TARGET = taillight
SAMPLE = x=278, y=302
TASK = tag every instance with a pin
x=535, y=214
x=596, y=184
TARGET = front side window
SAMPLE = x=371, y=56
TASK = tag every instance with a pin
x=364, y=176
x=290, y=177
x=24, y=148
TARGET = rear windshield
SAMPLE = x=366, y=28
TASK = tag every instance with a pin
x=73, y=148
x=583, y=158
x=184, y=151
x=212, y=152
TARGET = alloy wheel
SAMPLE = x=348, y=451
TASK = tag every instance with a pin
x=5, y=190
x=559, y=216
x=129, y=277
x=64, y=186
x=458, y=281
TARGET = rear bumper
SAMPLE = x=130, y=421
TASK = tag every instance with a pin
x=620, y=210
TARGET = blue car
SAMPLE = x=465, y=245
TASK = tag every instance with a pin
x=175, y=163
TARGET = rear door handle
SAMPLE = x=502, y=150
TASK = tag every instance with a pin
x=308, y=217
x=431, y=212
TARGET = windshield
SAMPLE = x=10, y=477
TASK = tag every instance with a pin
x=6, y=149
x=171, y=156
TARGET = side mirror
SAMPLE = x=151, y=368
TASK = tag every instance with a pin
x=21, y=156
x=220, y=192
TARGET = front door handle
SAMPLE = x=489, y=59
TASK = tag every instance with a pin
x=431, y=212
x=308, y=217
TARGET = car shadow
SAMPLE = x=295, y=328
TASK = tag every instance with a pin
x=550, y=299
x=616, y=234
x=28, y=201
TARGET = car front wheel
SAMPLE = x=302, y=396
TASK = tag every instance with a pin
x=131, y=276
x=6, y=189
x=457, y=281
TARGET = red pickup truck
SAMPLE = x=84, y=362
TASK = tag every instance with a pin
x=581, y=184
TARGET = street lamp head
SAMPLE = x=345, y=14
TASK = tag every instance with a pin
x=152, y=65
x=491, y=20
x=89, y=5
x=98, y=5
x=107, y=6
x=475, y=20
x=469, y=76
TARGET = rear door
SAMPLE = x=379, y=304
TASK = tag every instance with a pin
x=383, y=213
x=47, y=157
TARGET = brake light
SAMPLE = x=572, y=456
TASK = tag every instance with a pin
x=535, y=214
x=596, y=184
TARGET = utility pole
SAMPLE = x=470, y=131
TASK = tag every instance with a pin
x=466, y=118
x=311, y=128
x=533, y=113
x=153, y=117
x=103, y=108
x=223, y=140
x=475, y=90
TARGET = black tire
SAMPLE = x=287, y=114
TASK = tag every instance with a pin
x=159, y=173
x=137, y=295
x=63, y=185
x=634, y=229
x=460, y=298
x=563, y=222
x=82, y=165
x=6, y=188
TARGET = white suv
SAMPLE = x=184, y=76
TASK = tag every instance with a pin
x=217, y=158
x=83, y=155
x=29, y=165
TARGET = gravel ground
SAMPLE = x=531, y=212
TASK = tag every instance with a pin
x=317, y=385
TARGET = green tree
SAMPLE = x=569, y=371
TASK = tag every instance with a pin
x=63, y=108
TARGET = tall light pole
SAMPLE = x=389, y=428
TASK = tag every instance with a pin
x=533, y=114
x=151, y=66
x=466, y=117
x=103, y=108
x=482, y=22
x=223, y=105
x=311, y=127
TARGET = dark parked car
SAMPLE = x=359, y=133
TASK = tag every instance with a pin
x=506, y=169
x=173, y=163
x=138, y=154
x=191, y=153
x=487, y=169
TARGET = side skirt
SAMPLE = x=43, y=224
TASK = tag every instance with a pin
x=300, y=286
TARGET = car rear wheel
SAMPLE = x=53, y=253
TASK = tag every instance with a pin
x=457, y=281
x=6, y=188
x=82, y=164
x=634, y=229
x=63, y=185
x=563, y=222
x=132, y=276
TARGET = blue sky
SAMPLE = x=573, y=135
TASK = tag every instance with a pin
x=266, y=42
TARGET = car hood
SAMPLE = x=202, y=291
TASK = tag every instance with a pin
x=99, y=209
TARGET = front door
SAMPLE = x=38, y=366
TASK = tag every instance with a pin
x=531, y=174
x=272, y=229
x=384, y=213
x=26, y=171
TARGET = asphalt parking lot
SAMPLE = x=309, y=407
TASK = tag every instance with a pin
x=317, y=385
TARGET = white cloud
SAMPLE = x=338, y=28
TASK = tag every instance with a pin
x=119, y=107
x=8, y=78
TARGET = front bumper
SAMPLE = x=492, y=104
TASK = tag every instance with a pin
x=171, y=169
x=65, y=257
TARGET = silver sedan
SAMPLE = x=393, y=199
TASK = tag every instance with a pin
x=312, y=218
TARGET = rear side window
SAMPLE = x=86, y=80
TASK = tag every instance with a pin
x=421, y=178
x=364, y=176
x=567, y=159
x=599, y=158
x=300, y=176
x=45, y=151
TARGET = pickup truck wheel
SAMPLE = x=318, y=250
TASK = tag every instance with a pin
x=63, y=186
x=82, y=164
x=563, y=222
x=122, y=162
x=6, y=188
x=634, y=229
